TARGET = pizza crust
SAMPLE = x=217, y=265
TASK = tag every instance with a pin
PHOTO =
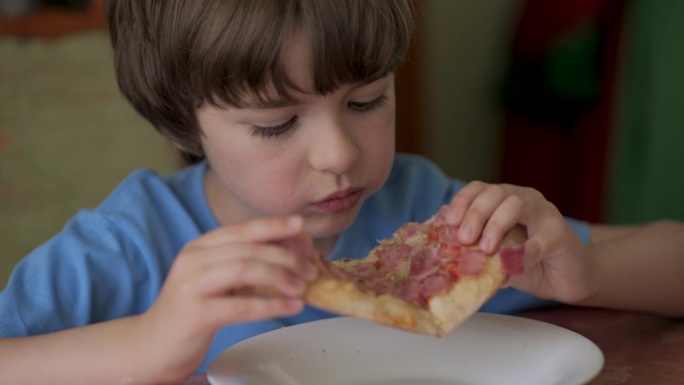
x=445, y=312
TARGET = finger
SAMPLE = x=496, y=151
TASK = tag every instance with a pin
x=479, y=212
x=532, y=253
x=301, y=245
x=224, y=310
x=220, y=279
x=273, y=254
x=547, y=236
x=502, y=220
x=462, y=201
x=256, y=230
x=530, y=260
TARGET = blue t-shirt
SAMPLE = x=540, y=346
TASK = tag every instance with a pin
x=111, y=261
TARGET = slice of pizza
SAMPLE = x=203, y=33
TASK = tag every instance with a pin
x=422, y=279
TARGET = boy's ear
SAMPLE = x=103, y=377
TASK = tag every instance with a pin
x=179, y=146
x=189, y=155
x=184, y=146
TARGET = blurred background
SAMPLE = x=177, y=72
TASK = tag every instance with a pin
x=580, y=99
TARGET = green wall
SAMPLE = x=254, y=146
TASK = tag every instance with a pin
x=647, y=174
x=466, y=46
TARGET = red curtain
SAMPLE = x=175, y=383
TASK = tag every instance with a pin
x=558, y=97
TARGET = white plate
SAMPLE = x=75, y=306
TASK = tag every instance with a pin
x=486, y=349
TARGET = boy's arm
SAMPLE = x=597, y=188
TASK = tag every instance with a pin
x=634, y=268
x=639, y=268
x=601, y=232
x=105, y=353
x=170, y=340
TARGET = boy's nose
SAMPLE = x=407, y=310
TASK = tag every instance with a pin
x=334, y=148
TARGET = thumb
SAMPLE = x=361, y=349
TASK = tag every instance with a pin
x=520, y=266
x=532, y=254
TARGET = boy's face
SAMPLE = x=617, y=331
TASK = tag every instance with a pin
x=320, y=157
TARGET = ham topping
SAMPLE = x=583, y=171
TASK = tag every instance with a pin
x=414, y=274
x=513, y=259
x=416, y=269
x=472, y=262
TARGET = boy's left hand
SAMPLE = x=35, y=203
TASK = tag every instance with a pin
x=556, y=261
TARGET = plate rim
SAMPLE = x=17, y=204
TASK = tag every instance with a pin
x=594, y=349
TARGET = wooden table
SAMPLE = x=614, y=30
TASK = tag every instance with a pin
x=639, y=349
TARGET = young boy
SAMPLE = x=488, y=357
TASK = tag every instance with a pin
x=291, y=106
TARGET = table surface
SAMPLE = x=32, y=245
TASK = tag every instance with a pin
x=638, y=348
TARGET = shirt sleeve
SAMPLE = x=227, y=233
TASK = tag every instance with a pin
x=88, y=273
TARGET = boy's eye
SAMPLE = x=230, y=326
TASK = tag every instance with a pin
x=273, y=131
x=368, y=106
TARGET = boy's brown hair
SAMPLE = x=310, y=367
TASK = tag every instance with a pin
x=171, y=56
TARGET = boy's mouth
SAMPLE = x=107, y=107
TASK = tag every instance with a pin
x=339, y=201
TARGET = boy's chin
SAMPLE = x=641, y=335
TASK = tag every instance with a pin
x=326, y=225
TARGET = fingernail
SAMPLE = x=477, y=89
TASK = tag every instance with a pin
x=452, y=216
x=295, y=222
x=310, y=271
x=294, y=303
x=466, y=232
x=486, y=245
x=297, y=282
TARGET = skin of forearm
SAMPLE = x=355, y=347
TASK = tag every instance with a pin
x=104, y=353
x=640, y=269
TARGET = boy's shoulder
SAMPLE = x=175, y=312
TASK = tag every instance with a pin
x=415, y=189
x=130, y=240
x=414, y=168
x=416, y=178
x=144, y=185
x=149, y=202
x=406, y=162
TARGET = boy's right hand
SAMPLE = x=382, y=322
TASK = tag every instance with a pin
x=198, y=296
